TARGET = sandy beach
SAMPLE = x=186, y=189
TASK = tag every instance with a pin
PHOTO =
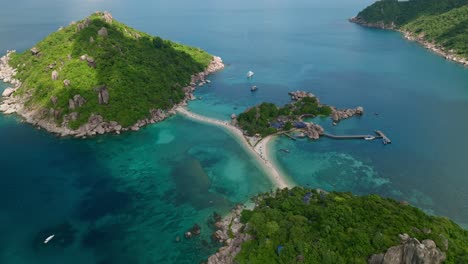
x=260, y=151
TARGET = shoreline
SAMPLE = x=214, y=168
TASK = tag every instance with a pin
x=260, y=150
x=432, y=46
x=43, y=118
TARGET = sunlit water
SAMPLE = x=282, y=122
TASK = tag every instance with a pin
x=125, y=199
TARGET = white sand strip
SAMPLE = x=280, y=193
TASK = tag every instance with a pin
x=260, y=151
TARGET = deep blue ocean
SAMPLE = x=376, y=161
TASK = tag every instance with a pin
x=125, y=199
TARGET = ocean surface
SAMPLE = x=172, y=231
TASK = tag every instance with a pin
x=125, y=199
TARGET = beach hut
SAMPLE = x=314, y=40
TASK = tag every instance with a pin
x=277, y=125
x=298, y=124
x=279, y=249
x=307, y=197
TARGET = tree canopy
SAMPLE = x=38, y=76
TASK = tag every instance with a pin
x=321, y=227
x=141, y=72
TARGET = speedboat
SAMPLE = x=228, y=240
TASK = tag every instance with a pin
x=49, y=238
x=253, y=88
x=369, y=138
x=250, y=74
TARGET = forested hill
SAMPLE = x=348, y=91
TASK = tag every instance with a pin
x=443, y=22
x=312, y=226
x=99, y=66
x=403, y=12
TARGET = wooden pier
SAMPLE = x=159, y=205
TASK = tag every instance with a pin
x=379, y=134
x=385, y=139
x=348, y=136
x=288, y=135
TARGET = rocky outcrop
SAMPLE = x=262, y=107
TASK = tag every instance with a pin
x=35, y=51
x=382, y=25
x=83, y=25
x=103, y=94
x=198, y=80
x=410, y=251
x=313, y=131
x=53, y=100
x=54, y=75
x=103, y=32
x=90, y=60
x=338, y=115
x=107, y=17
x=8, y=91
x=230, y=234
x=298, y=95
x=7, y=73
x=76, y=101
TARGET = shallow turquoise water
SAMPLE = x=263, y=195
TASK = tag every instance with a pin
x=128, y=197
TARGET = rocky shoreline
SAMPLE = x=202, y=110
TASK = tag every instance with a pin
x=230, y=233
x=420, y=38
x=96, y=125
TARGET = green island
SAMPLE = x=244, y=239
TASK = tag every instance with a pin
x=303, y=225
x=440, y=25
x=263, y=119
x=99, y=66
x=268, y=119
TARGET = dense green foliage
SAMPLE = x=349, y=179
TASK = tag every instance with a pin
x=339, y=228
x=403, y=12
x=258, y=119
x=442, y=21
x=141, y=72
x=450, y=29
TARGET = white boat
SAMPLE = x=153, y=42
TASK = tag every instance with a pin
x=369, y=138
x=250, y=74
x=49, y=238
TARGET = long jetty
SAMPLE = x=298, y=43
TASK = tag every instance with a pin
x=379, y=134
x=385, y=139
x=348, y=136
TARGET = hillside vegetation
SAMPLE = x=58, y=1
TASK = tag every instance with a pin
x=310, y=226
x=259, y=119
x=450, y=29
x=442, y=21
x=138, y=71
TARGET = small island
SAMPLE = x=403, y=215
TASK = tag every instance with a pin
x=439, y=25
x=268, y=119
x=99, y=76
x=302, y=225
